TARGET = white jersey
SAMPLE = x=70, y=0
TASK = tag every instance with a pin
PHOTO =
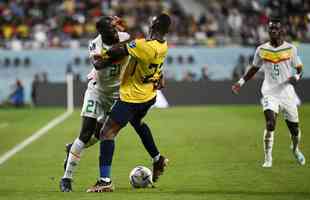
x=106, y=80
x=277, y=64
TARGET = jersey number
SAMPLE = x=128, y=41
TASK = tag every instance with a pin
x=275, y=71
x=151, y=78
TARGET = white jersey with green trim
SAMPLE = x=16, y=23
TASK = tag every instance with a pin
x=106, y=80
x=277, y=64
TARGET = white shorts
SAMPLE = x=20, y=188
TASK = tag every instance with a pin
x=96, y=104
x=287, y=106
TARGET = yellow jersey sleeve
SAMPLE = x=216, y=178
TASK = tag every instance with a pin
x=141, y=50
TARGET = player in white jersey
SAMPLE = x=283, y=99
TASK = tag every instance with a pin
x=101, y=92
x=277, y=58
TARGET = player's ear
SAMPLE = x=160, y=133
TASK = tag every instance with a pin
x=284, y=30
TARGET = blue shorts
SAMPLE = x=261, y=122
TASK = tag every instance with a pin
x=124, y=112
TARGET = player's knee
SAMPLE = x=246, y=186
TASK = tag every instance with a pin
x=88, y=129
x=109, y=130
x=85, y=135
x=271, y=125
x=295, y=131
x=140, y=127
x=137, y=125
x=268, y=135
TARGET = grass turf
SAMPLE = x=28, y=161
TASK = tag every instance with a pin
x=17, y=124
x=215, y=152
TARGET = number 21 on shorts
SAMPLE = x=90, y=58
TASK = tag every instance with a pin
x=92, y=106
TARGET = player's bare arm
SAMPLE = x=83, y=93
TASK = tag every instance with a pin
x=99, y=63
x=114, y=54
x=249, y=75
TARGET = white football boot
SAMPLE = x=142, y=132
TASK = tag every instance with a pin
x=299, y=157
x=267, y=162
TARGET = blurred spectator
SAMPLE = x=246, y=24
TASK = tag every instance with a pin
x=204, y=73
x=189, y=76
x=69, y=69
x=34, y=85
x=16, y=98
x=71, y=23
x=239, y=68
x=44, y=77
x=234, y=21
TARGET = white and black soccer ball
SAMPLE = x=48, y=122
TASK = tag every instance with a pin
x=140, y=177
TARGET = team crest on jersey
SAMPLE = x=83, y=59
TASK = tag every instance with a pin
x=132, y=44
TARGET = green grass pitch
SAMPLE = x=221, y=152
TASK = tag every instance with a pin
x=215, y=152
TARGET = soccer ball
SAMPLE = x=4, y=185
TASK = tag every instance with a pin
x=140, y=177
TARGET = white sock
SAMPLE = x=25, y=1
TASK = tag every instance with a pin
x=156, y=158
x=268, y=144
x=74, y=157
x=106, y=179
x=295, y=141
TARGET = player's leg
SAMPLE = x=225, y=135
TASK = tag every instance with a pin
x=291, y=118
x=145, y=134
x=95, y=137
x=90, y=112
x=106, y=104
x=270, y=118
x=271, y=108
x=146, y=137
x=77, y=147
x=118, y=118
x=93, y=140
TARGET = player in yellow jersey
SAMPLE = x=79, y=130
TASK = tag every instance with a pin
x=139, y=81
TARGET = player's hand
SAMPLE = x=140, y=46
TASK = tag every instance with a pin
x=119, y=23
x=292, y=80
x=102, y=55
x=236, y=88
x=158, y=86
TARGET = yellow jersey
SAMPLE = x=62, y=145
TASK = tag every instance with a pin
x=143, y=70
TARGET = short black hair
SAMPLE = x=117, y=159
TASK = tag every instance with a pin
x=162, y=23
x=103, y=24
x=107, y=31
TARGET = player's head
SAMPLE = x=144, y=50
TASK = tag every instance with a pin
x=275, y=28
x=161, y=24
x=106, y=29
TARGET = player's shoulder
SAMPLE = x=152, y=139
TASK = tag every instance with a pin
x=265, y=45
x=95, y=43
x=139, y=43
x=289, y=45
x=123, y=36
x=97, y=39
x=160, y=46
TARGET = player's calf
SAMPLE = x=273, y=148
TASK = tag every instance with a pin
x=67, y=150
x=295, y=134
